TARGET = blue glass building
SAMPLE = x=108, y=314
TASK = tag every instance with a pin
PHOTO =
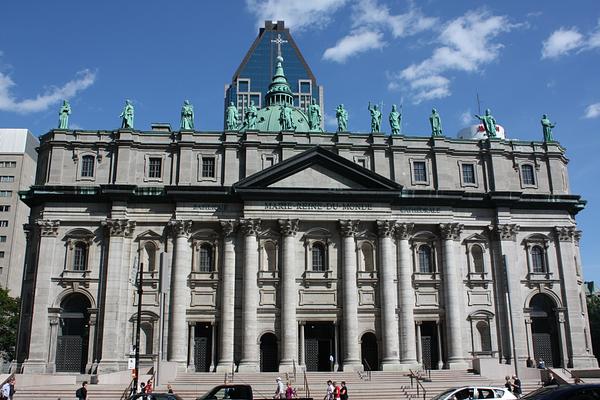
x=251, y=80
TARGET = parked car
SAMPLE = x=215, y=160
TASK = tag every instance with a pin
x=474, y=392
x=155, y=396
x=566, y=392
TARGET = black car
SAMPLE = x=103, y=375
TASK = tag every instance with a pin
x=155, y=396
x=566, y=392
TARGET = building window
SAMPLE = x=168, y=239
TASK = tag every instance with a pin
x=527, y=174
x=205, y=263
x=3, y=239
x=5, y=193
x=208, y=167
x=468, y=173
x=537, y=259
x=4, y=208
x=3, y=223
x=419, y=171
x=154, y=167
x=318, y=257
x=7, y=178
x=80, y=257
x=8, y=164
x=477, y=256
x=87, y=166
x=425, y=264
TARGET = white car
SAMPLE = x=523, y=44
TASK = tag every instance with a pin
x=474, y=392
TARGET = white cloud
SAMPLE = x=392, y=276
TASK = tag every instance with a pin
x=466, y=117
x=466, y=45
x=561, y=42
x=354, y=43
x=592, y=111
x=41, y=102
x=296, y=14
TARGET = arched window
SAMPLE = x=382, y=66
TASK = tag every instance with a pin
x=527, y=174
x=366, y=252
x=87, y=166
x=537, y=259
x=484, y=335
x=477, y=257
x=425, y=264
x=80, y=257
x=318, y=257
x=205, y=259
x=149, y=256
x=270, y=256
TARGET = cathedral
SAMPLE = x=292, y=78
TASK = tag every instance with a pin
x=272, y=245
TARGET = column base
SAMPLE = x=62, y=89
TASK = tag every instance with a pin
x=248, y=366
x=352, y=366
x=225, y=367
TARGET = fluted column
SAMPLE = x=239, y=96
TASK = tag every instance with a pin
x=180, y=293
x=351, y=359
x=387, y=277
x=289, y=326
x=453, y=289
x=249, y=361
x=406, y=297
x=226, y=331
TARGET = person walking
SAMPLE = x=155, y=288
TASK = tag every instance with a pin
x=516, y=384
x=81, y=393
x=344, y=391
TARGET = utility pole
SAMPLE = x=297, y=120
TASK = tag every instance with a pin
x=140, y=290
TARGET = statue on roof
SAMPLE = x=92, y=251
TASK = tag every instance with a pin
x=375, y=118
x=436, y=123
x=63, y=115
x=250, y=116
x=127, y=115
x=314, y=116
x=489, y=123
x=547, y=128
x=187, y=116
x=232, y=117
x=342, y=118
x=396, y=120
x=285, y=118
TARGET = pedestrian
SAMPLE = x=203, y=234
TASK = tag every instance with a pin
x=329, y=395
x=169, y=388
x=344, y=391
x=279, y=390
x=517, y=391
x=81, y=393
x=336, y=391
x=508, y=383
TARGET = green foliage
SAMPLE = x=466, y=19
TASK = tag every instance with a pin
x=593, y=305
x=9, y=321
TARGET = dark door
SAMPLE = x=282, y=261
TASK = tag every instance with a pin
x=268, y=353
x=369, y=351
x=202, y=347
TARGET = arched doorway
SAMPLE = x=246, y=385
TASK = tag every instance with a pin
x=544, y=329
x=72, y=341
x=268, y=353
x=369, y=351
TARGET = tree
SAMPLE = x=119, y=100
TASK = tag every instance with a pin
x=9, y=321
x=593, y=305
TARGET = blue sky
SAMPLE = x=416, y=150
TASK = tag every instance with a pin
x=523, y=58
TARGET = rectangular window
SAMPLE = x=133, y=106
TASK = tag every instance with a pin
x=154, y=167
x=7, y=178
x=420, y=171
x=208, y=167
x=5, y=193
x=468, y=173
x=4, y=208
x=527, y=173
x=2, y=239
x=3, y=223
x=8, y=164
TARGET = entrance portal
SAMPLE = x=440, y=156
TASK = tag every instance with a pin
x=319, y=345
x=202, y=347
x=544, y=329
x=72, y=341
x=269, y=359
x=369, y=351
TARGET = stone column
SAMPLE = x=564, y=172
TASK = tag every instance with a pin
x=249, y=361
x=289, y=325
x=226, y=330
x=37, y=362
x=351, y=361
x=180, y=293
x=387, y=277
x=406, y=297
x=453, y=289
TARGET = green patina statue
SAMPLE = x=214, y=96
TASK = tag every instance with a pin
x=314, y=116
x=547, y=128
x=63, y=115
x=232, y=117
x=489, y=123
x=342, y=118
x=375, y=118
x=395, y=120
x=127, y=115
x=285, y=118
x=187, y=116
x=250, y=116
x=436, y=123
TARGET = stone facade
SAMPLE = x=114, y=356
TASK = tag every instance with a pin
x=275, y=250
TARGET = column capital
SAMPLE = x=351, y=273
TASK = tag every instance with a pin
x=566, y=233
x=180, y=227
x=250, y=227
x=47, y=227
x=119, y=226
x=404, y=230
x=288, y=227
x=451, y=231
x=385, y=227
x=505, y=231
x=228, y=227
x=348, y=227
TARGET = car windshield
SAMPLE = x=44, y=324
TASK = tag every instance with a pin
x=443, y=395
